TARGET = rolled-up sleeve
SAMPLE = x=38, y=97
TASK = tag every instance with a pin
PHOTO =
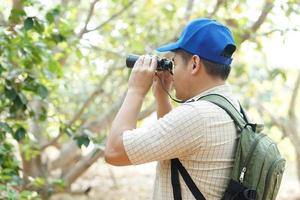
x=177, y=134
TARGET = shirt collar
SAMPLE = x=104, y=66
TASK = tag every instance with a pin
x=220, y=89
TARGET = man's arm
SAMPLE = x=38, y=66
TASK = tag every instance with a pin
x=163, y=106
x=126, y=118
x=139, y=83
x=162, y=82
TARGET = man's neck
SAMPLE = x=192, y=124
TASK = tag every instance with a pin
x=203, y=87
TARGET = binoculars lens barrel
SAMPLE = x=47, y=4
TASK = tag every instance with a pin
x=162, y=64
x=131, y=59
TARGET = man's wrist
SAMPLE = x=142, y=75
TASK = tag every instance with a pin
x=136, y=93
x=162, y=98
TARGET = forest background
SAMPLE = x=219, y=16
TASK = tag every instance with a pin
x=63, y=78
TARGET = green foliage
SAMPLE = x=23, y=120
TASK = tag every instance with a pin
x=82, y=140
x=48, y=71
x=26, y=63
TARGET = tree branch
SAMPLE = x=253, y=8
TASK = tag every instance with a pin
x=186, y=18
x=82, y=166
x=291, y=111
x=107, y=117
x=188, y=10
x=2, y=20
x=86, y=104
x=89, y=16
x=68, y=152
x=282, y=31
x=187, y=15
x=87, y=161
x=277, y=121
x=111, y=18
x=116, y=53
x=216, y=8
x=268, y=6
x=287, y=128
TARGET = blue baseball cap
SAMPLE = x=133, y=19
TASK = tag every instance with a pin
x=206, y=38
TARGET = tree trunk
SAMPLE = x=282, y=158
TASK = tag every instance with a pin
x=33, y=167
x=296, y=143
x=298, y=165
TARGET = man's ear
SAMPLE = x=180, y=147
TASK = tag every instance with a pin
x=196, y=64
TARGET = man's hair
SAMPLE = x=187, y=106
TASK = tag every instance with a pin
x=212, y=68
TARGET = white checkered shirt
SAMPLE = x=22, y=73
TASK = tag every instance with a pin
x=200, y=134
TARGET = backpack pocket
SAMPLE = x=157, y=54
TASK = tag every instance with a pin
x=273, y=179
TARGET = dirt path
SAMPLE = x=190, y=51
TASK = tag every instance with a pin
x=136, y=183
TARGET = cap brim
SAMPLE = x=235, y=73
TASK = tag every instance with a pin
x=168, y=47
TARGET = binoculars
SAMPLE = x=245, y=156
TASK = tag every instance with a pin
x=163, y=64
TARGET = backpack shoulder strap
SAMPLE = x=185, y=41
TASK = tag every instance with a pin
x=223, y=103
x=176, y=167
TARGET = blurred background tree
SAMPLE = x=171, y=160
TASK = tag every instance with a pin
x=63, y=77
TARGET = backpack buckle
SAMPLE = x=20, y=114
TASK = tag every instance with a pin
x=255, y=127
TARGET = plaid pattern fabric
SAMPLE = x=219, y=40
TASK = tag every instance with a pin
x=200, y=134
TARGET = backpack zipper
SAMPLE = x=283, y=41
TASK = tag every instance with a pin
x=249, y=155
x=267, y=183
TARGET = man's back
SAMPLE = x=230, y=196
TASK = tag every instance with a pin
x=200, y=134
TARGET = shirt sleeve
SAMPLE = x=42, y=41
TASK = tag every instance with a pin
x=175, y=135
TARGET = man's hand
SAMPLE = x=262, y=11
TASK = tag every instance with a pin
x=161, y=85
x=142, y=75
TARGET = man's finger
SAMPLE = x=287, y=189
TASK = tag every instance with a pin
x=139, y=62
x=147, y=61
x=153, y=63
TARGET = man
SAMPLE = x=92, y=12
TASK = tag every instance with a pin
x=199, y=133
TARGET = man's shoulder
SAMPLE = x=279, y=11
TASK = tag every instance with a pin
x=204, y=106
x=198, y=109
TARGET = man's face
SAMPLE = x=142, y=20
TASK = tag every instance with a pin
x=180, y=77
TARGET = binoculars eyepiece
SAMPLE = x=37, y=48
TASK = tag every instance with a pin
x=163, y=64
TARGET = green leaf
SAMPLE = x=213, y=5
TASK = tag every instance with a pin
x=38, y=26
x=28, y=23
x=58, y=183
x=5, y=128
x=39, y=182
x=23, y=98
x=43, y=114
x=82, y=140
x=50, y=17
x=30, y=195
x=10, y=93
x=29, y=85
x=78, y=53
x=57, y=37
x=42, y=91
x=18, y=104
x=31, y=113
x=55, y=68
x=20, y=134
x=16, y=15
x=2, y=69
x=274, y=73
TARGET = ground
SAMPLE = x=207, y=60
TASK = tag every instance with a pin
x=136, y=183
